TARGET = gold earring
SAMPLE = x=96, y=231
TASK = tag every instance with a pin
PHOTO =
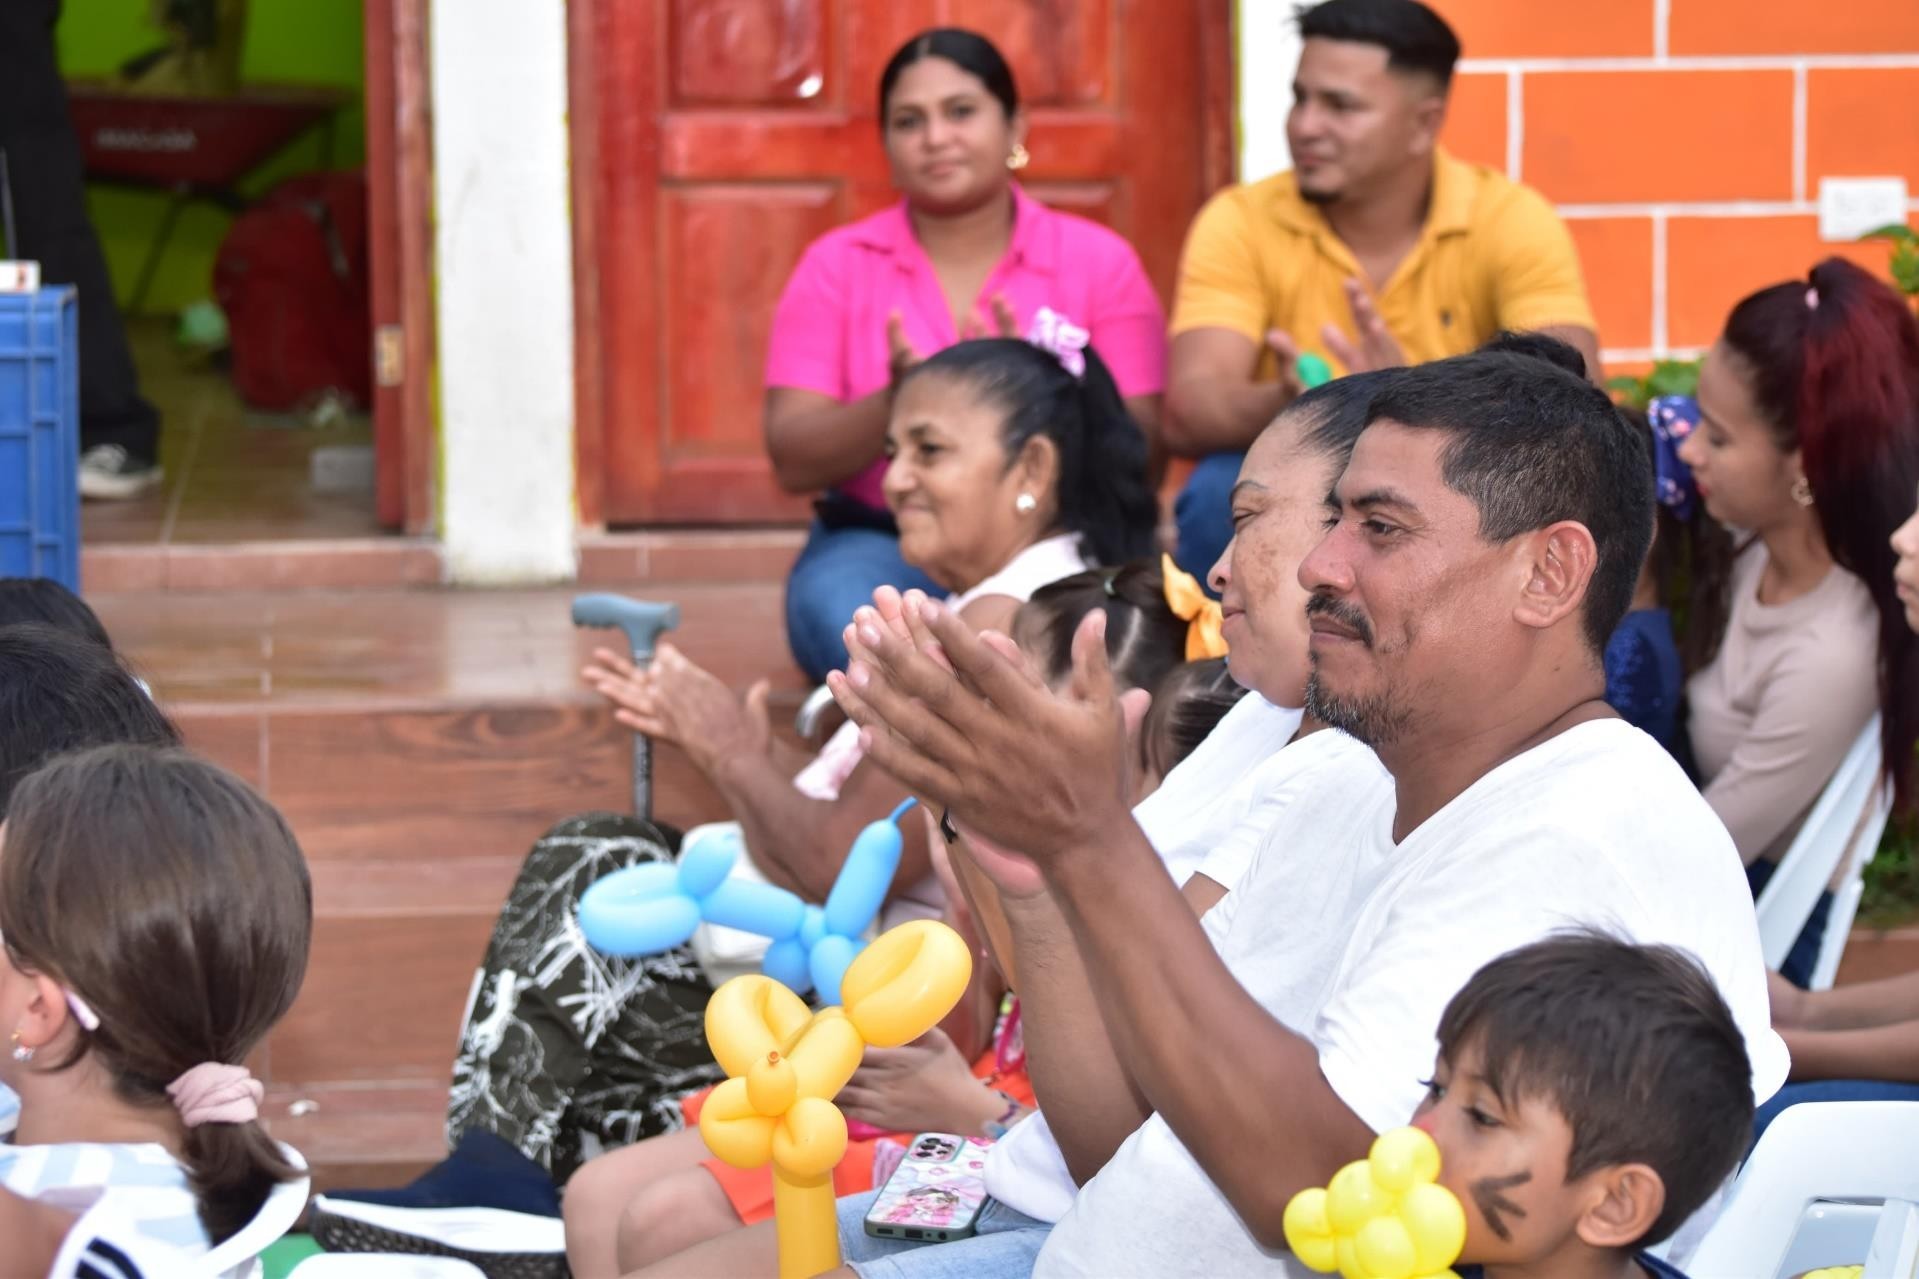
x=1019, y=159
x=1802, y=491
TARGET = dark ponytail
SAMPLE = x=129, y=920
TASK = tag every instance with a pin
x=173, y=900
x=1833, y=361
x=1103, y=495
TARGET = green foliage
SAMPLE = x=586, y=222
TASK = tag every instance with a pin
x=1666, y=377
x=1905, y=256
x=1892, y=878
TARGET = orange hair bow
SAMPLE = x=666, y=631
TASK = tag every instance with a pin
x=1199, y=610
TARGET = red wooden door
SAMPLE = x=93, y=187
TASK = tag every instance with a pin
x=715, y=138
x=399, y=218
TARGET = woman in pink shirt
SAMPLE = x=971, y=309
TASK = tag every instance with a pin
x=965, y=253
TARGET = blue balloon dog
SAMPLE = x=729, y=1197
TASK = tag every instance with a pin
x=644, y=910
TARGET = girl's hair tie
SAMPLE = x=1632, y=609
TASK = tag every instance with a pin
x=214, y=1092
x=1204, y=638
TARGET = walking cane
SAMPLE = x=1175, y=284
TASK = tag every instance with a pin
x=643, y=621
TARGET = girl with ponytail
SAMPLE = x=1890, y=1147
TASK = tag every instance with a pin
x=1808, y=447
x=155, y=913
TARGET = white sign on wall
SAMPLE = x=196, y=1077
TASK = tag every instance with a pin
x=1850, y=207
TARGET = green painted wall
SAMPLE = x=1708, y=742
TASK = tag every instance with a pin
x=293, y=41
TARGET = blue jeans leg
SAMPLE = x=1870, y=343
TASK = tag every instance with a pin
x=1203, y=513
x=837, y=571
x=1005, y=1244
x=1804, y=955
x=1830, y=1090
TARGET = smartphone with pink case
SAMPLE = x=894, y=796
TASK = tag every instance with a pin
x=935, y=1194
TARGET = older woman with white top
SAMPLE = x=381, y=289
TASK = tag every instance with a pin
x=1010, y=465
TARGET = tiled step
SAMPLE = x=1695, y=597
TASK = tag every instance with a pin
x=418, y=742
x=641, y=558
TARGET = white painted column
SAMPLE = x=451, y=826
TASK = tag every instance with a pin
x=1268, y=56
x=504, y=260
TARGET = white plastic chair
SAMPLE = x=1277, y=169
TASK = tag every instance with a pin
x=1842, y=829
x=239, y=1256
x=1852, y=1164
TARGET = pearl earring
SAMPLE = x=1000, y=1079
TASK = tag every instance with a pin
x=1025, y=503
x=20, y=1051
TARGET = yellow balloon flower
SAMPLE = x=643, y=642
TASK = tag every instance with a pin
x=785, y=1064
x=1381, y=1217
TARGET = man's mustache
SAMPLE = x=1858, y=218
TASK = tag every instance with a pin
x=1347, y=615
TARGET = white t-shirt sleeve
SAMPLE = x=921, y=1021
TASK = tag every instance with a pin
x=1416, y=946
x=1272, y=787
x=1026, y=1171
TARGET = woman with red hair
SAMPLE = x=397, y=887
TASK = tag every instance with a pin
x=1808, y=447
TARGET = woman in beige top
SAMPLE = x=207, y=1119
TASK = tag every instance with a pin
x=1809, y=442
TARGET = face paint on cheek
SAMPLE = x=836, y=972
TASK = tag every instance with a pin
x=1493, y=1205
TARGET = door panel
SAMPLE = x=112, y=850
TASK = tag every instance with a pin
x=723, y=135
x=399, y=203
x=721, y=244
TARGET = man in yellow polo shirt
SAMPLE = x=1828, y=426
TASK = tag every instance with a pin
x=1376, y=249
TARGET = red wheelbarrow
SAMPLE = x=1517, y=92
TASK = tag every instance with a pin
x=192, y=148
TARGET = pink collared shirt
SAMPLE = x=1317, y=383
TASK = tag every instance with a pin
x=829, y=332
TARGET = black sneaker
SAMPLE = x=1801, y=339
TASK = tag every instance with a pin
x=504, y=1245
x=109, y=473
x=486, y=1203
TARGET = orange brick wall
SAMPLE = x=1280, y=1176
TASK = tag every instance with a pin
x=1684, y=140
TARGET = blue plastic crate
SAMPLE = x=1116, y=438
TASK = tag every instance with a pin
x=40, y=435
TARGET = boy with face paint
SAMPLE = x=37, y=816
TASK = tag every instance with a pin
x=1589, y=1095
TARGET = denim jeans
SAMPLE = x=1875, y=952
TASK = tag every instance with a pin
x=1804, y=955
x=837, y=571
x=1203, y=513
x=1004, y=1245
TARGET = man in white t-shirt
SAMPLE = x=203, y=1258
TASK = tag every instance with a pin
x=1204, y=822
x=1482, y=544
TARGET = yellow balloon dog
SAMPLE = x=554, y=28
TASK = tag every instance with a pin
x=785, y=1065
x=1381, y=1217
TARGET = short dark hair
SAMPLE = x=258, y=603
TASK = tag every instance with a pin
x=1631, y=1044
x=1413, y=36
x=1103, y=494
x=1541, y=346
x=1531, y=445
x=1338, y=411
x=41, y=599
x=968, y=50
x=60, y=692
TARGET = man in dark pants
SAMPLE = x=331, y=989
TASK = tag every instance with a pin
x=119, y=430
